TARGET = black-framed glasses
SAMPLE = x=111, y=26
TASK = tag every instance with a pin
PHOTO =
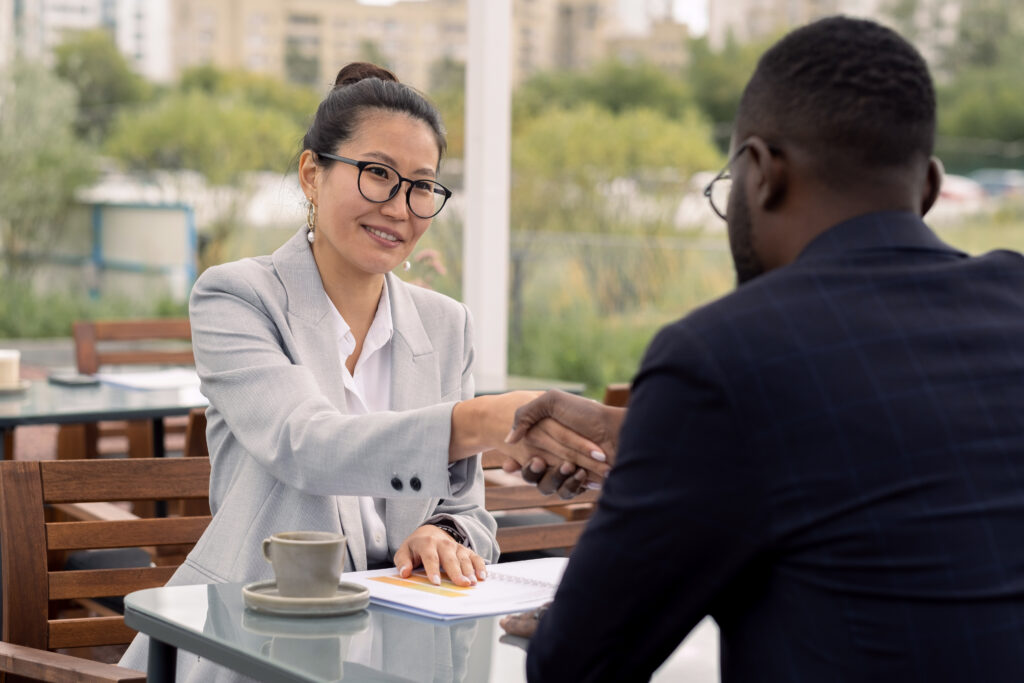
x=379, y=183
x=717, y=191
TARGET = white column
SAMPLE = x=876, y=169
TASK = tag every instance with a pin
x=485, y=250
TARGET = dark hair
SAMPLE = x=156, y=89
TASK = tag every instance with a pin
x=850, y=91
x=359, y=87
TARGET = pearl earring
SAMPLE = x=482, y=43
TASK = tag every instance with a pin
x=406, y=266
x=311, y=221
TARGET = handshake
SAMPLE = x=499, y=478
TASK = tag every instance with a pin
x=565, y=444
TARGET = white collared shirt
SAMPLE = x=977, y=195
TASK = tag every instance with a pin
x=368, y=390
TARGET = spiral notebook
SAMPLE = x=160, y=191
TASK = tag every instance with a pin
x=509, y=587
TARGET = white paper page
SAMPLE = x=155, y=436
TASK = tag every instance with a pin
x=171, y=378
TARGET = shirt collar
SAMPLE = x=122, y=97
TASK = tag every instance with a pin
x=380, y=332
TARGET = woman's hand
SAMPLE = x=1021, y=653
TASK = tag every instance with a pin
x=435, y=550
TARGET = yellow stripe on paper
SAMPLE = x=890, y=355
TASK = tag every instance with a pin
x=420, y=583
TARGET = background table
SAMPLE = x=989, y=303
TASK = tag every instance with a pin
x=45, y=403
x=212, y=621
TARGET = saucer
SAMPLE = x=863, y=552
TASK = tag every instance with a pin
x=262, y=596
x=17, y=389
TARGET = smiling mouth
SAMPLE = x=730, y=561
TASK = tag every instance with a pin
x=387, y=236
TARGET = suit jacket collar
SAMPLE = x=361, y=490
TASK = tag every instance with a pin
x=879, y=230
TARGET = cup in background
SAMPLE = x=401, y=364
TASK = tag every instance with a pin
x=10, y=361
x=307, y=564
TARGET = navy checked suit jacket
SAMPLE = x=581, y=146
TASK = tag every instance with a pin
x=830, y=462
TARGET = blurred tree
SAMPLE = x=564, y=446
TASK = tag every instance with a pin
x=300, y=65
x=988, y=35
x=718, y=78
x=588, y=170
x=370, y=51
x=612, y=85
x=220, y=136
x=43, y=163
x=105, y=83
x=296, y=100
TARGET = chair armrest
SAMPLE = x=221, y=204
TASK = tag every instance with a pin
x=54, y=667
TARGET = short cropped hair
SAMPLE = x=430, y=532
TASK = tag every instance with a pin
x=850, y=88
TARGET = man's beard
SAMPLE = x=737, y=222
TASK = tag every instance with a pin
x=741, y=239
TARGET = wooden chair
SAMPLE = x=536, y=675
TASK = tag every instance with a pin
x=531, y=529
x=34, y=586
x=100, y=344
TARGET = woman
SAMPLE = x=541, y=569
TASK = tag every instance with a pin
x=341, y=398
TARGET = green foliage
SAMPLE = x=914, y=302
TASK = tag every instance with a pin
x=220, y=136
x=988, y=35
x=26, y=314
x=984, y=103
x=614, y=86
x=91, y=62
x=43, y=163
x=297, y=101
x=718, y=78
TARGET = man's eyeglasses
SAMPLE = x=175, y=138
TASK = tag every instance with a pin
x=717, y=191
x=379, y=183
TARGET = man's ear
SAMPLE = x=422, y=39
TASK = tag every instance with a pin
x=769, y=171
x=932, y=184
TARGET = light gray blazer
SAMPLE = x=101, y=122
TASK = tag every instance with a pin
x=284, y=453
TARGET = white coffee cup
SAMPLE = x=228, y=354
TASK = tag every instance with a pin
x=10, y=360
x=307, y=564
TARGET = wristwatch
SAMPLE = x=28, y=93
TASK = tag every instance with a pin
x=449, y=528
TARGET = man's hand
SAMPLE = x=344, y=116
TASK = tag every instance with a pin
x=572, y=417
x=524, y=624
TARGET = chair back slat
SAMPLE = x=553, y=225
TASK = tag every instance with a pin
x=100, y=583
x=75, y=481
x=22, y=547
x=124, y=534
x=89, y=632
x=90, y=355
x=527, y=496
x=540, y=537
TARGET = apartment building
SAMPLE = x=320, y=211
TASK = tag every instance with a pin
x=308, y=40
x=932, y=27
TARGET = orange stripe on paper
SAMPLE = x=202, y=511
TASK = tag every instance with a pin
x=420, y=583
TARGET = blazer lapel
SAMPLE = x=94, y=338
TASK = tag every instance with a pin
x=316, y=347
x=415, y=382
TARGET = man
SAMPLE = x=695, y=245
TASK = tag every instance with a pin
x=830, y=459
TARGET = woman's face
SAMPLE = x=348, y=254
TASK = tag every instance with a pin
x=355, y=236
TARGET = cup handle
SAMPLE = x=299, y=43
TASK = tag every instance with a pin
x=266, y=550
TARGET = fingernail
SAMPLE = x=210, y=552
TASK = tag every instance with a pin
x=482, y=574
x=580, y=475
x=593, y=486
x=598, y=456
x=510, y=433
x=567, y=468
x=435, y=579
x=472, y=579
x=403, y=569
x=537, y=466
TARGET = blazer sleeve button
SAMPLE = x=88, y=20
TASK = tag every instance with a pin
x=396, y=483
x=415, y=483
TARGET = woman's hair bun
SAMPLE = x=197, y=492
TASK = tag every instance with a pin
x=357, y=71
